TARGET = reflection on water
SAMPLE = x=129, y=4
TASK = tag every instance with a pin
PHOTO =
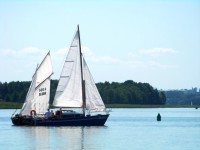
x=39, y=137
x=76, y=138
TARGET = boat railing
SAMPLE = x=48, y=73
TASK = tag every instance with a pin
x=98, y=111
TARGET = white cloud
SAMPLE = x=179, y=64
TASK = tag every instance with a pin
x=106, y=59
x=25, y=52
x=91, y=56
x=8, y=52
x=134, y=60
x=159, y=65
x=153, y=52
x=156, y=51
x=59, y=54
x=61, y=51
x=145, y=64
x=87, y=51
x=19, y=64
x=30, y=50
x=26, y=59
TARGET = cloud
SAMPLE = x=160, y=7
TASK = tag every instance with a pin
x=30, y=50
x=25, y=52
x=87, y=51
x=91, y=56
x=157, y=64
x=8, y=52
x=61, y=51
x=33, y=53
x=156, y=51
x=105, y=59
x=26, y=59
x=134, y=60
x=151, y=58
x=20, y=64
x=153, y=52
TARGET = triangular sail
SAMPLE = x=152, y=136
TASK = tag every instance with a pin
x=39, y=91
x=27, y=106
x=68, y=93
x=69, y=90
x=94, y=101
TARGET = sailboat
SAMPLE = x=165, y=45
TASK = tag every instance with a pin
x=76, y=90
x=37, y=98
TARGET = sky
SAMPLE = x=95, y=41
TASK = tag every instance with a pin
x=155, y=42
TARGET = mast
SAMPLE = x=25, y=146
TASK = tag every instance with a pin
x=82, y=81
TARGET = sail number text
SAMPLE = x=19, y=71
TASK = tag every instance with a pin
x=42, y=91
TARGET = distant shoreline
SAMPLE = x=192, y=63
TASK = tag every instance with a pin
x=12, y=105
x=149, y=106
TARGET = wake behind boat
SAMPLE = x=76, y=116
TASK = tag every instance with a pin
x=76, y=89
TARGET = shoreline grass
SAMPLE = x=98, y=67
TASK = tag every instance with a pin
x=13, y=105
x=148, y=106
x=10, y=105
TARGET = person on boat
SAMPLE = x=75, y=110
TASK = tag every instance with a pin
x=52, y=113
x=59, y=113
x=47, y=114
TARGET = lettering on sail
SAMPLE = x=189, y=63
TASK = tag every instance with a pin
x=42, y=91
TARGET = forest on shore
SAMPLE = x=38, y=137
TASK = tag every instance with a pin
x=128, y=92
x=183, y=97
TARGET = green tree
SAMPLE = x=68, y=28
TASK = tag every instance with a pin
x=128, y=92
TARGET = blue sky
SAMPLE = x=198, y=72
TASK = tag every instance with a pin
x=157, y=42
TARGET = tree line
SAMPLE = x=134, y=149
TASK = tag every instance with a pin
x=128, y=92
x=182, y=97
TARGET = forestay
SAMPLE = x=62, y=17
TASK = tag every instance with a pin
x=39, y=91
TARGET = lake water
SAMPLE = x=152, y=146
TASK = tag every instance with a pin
x=126, y=129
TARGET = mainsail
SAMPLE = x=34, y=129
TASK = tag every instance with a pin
x=69, y=90
x=39, y=91
x=68, y=93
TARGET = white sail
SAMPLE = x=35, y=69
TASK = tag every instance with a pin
x=39, y=91
x=69, y=89
x=94, y=101
x=42, y=94
x=27, y=106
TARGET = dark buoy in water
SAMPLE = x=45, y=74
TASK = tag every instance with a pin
x=158, y=117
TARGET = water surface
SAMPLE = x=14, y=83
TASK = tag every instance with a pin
x=127, y=129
